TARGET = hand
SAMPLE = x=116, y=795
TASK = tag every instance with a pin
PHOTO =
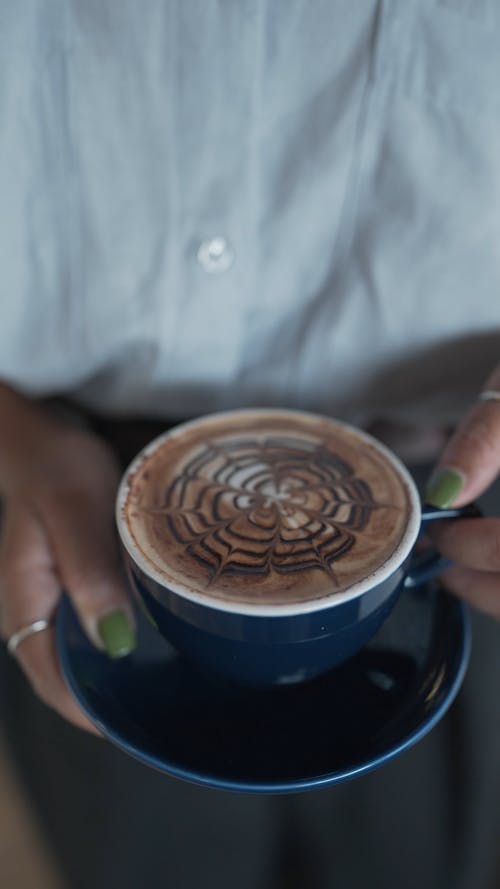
x=58, y=533
x=469, y=464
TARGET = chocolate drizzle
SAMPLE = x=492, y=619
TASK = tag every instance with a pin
x=251, y=506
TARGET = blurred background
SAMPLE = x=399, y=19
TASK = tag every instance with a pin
x=25, y=862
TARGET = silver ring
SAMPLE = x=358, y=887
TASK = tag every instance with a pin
x=36, y=627
x=489, y=395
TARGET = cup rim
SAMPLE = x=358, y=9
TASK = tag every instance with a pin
x=377, y=577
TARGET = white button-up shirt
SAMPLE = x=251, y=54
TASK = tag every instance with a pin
x=213, y=204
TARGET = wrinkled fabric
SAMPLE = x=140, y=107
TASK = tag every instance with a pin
x=349, y=155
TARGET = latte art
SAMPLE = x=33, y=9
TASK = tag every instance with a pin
x=247, y=507
x=266, y=507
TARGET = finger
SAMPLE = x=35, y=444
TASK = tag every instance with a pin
x=480, y=589
x=471, y=459
x=473, y=543
x=30, y=591
x=81, y=533
x=37, y=656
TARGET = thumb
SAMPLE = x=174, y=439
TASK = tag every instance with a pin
x=471, y=459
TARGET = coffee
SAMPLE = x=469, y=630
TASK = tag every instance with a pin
x=265, y=507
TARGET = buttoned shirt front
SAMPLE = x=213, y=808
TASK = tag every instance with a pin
x=209, y=205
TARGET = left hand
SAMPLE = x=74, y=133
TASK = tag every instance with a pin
x=468, y=465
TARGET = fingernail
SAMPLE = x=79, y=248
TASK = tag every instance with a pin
x=116, y=633
x=443, y=487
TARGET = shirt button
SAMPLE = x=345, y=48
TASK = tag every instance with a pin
x=215, y=255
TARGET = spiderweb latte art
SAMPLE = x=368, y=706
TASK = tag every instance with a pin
x=275, y=514
x=248, y=507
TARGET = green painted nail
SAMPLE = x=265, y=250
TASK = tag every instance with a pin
x=443, y=487
x=116, y=633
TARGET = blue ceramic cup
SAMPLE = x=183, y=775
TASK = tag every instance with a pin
x=254, y=641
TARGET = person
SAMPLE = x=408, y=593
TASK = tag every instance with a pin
x=203, y=207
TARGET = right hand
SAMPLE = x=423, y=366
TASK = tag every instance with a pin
x=58, y=534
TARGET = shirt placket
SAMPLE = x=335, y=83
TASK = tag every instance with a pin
x=213, y=188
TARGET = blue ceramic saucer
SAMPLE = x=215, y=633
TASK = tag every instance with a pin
x=169, y=715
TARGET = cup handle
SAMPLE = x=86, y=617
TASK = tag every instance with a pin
x=425, y=566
